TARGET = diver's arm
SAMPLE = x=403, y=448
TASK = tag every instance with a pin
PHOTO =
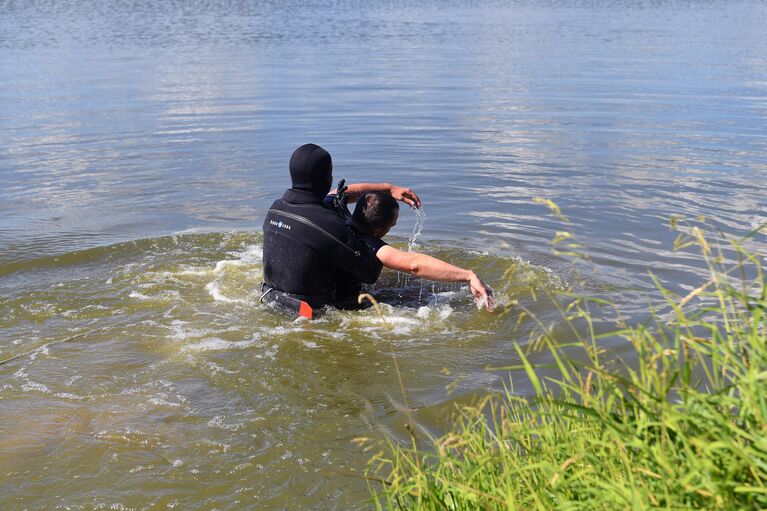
x=431, y=268
x=400, y=193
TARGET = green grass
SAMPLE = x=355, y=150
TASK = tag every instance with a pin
x=681, y=424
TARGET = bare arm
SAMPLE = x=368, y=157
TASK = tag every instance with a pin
x=400, y=193
x=431, y=268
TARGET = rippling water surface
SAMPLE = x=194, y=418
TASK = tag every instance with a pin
x=142, y=143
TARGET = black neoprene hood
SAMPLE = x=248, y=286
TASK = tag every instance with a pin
x=311, y=170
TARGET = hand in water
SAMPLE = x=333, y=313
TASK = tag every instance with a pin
x=482, y=293
x=406, y=195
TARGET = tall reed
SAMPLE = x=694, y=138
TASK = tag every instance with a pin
x=682, y=423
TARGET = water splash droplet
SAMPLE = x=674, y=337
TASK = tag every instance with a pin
x=420, y=217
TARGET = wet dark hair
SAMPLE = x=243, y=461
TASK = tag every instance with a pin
x=375, y=210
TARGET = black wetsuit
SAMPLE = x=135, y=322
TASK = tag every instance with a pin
x=349, y=288
x=310, y=252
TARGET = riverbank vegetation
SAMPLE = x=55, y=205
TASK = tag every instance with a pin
x=676, y=418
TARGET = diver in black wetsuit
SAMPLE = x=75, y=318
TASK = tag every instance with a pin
x=309, y=251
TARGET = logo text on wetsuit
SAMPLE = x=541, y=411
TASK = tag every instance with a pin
x=280, y=225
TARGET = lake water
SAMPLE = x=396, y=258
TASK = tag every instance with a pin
x=142, y=143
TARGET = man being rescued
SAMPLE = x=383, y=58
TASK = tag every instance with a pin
x=313, y=258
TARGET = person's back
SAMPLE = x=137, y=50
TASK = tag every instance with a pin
x=306, y=244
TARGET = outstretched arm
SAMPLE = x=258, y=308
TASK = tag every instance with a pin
x=431, y=268
x=406, y=195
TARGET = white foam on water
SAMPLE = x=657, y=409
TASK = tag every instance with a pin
x=117, y=506
x=214, y=290
x=218, y=344
x=70, y=396
x=240, y=467
x=445, y=312
x=127, y=269
x=217, y=447
x=34, y=386
x=252, y=254
x=215, y=368
x=165, y=278
x=180, y=333
x=194, y=272
x=42, y=350
x=220, y=265
x=218, y=422
x=159, y=401
x=389, y=318
x=127, y=435
x=269, y=353
x=131, y=390
x=177, y=325
x=403, y=322
x=400, y=320
x=435, y=313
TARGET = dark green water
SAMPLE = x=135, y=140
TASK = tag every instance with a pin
x=143, y=142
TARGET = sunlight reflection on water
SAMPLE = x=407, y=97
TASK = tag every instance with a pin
x=126, y=122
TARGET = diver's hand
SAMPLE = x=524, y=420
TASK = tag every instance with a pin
x=482, y=292
x=405, y=195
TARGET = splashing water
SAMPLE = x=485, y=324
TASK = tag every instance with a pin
x=420, y=217
x=173, y=328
